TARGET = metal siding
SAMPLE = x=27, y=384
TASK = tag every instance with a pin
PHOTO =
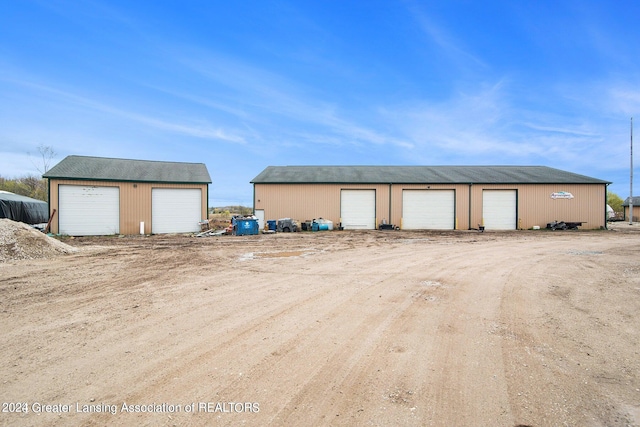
x=135, y=202
x=499, y=209
x=428, y=209
x=53, y=205
x=535, y=206
x=588, y=205
x=308, y=201
x=635, y=201
x=300, y=202
x=461, y=201
x=135, y=207
x=358, y=209
x=636, y=213
x=175, y=210
x=54, y=201
x=88, y=210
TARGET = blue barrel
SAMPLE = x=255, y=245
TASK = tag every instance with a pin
x=321, y=224
x=272, y=224
x=325, y=224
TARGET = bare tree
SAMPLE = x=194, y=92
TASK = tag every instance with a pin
x=37, y=187
x=47, y=154
x=40, y=189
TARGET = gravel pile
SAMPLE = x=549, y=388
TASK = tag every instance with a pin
x=20, y=241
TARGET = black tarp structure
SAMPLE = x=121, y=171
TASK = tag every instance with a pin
x=23, y=209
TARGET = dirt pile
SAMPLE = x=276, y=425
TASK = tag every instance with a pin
x=20, y=241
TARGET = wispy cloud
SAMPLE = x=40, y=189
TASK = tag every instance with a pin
x=486, y=125
x=560, y=130
x=197, y=130
x=624, y=99
x=259, y=96
x=437, y=34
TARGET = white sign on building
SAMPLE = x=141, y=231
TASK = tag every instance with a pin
x=562, y=195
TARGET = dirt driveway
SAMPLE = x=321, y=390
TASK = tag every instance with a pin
x=336, y=328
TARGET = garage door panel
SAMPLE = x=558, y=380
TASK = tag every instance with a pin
x=428, y=209
x=358, y=209
x=88, y=210
x=499, y=209
x=175, y=210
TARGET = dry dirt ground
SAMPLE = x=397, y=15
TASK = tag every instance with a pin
x=386, y=328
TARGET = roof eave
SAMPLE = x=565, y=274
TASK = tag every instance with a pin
x=126, y=180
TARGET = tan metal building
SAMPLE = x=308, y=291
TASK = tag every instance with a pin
x=430, y=197
x=104, y=196
x=636, y=209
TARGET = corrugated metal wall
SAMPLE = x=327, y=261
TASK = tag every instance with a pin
x=308, y=201
x=535, y=205
x=135, y=201
x=461, y=201
x=636, y=213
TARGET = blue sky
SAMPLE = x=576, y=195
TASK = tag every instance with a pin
x=241, y=86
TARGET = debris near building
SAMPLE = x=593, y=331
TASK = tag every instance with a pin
x=20, y=241
x=564, y=225
x=286, y=225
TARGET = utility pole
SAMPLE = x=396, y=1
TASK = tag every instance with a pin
x=631, y=180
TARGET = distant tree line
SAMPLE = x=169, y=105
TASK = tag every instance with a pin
x=615, y=202
x=229, y=210
x=30, y=186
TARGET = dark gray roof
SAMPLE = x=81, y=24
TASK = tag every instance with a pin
x=636, y=201
x=106, y=169
x=420, y=175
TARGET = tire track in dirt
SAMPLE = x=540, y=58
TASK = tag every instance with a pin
x=467, y=386
x=552, y=373
x=283, y=350
x=318, y=399
x=112, y=354
x=364, y=329
x=193, y=362
x=378, y=382
x=78, y=296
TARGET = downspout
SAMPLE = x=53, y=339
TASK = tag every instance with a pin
x=390, y=221
x=606, y=214
x=49, y=195
x=49, y=202
x=254, y=198
x=470, y=185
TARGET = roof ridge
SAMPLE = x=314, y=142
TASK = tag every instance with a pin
x=133, y=160
x=412, y=174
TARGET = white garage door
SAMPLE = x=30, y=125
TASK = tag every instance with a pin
x=428, y=209
x=175, y=210
x=88, y=210
x=499, y=209
x=358, y=209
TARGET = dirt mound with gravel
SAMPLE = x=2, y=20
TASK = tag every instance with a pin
x=20, y=241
